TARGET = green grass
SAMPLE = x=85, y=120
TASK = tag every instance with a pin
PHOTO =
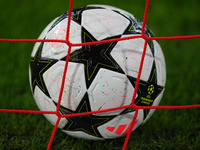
x=167, y=129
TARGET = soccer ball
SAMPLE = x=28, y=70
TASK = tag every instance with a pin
x=100, y=76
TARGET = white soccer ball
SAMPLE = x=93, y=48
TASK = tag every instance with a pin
x=99, y=76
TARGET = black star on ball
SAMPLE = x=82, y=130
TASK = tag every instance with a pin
x=38, y=66
x=95, y=56
x=85, y=123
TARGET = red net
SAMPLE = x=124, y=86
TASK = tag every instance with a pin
x=59, y=115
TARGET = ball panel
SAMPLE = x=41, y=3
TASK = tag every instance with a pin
x=46, y=104
x=74, y=88
x=119, y=125
x=109, y=90
x=30, y=79
x=128, y=55
x=57, y=50
x=104, y=23
x=160, y=64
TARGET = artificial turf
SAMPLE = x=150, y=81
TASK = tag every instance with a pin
x=166, y=129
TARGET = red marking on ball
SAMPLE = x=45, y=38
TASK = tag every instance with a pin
x=107, y=83
x=120, y=129
x=59, y=83
x=134, y=59
x=129, y=127
x=113, y=99
x=134, y=49
x=123, y=96
x=60, y=35
x=111, y=129
x=115, y=91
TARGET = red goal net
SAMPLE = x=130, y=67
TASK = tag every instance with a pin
x=66, y=41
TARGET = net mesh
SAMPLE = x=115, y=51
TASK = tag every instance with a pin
x=132, y=105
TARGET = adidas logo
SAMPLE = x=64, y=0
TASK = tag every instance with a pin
x=121, y=129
